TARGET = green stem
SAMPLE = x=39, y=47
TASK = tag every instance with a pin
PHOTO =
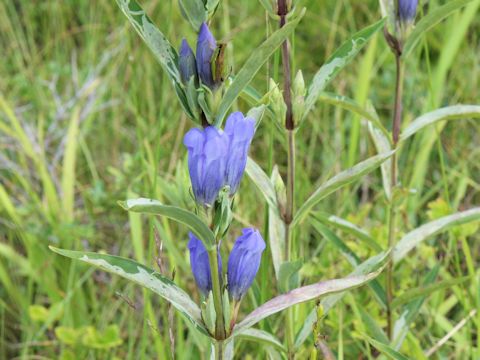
x=217, y=294
x=392, y=213
x=219, y=349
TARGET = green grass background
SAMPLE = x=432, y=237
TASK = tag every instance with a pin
x=87, y=118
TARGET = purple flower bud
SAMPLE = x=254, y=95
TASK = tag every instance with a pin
x=200, y=265
x=407, y=10
x=244, y=261
x=186, y=62
x=206, y=46
x=240, y=131
x=207, y=151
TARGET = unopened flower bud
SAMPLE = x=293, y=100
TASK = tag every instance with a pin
x=298, y=93
x=407, y=10
x=206, y=45
x=186, y=63
x=276, y=101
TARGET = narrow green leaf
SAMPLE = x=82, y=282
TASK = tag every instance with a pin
x=329, y=302
x=261, y=336
x=382, y=145
x=429, y=21
x=141, y=275
x=157, y=42
x=353, y=106
x=424, y=291
x=300, y=295
x=415, y=237
x=339, y=180
x=446, y=113
x=194, y=223
x=259, y=56
x=385, y=349
x=410, y=311
x=339, y=59
x=351, y=257
x=348, y=227
x=373, y=326
x=68, y=168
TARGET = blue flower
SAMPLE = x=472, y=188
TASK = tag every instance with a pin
x=240, y=131
x=200, y=265
x=243, y=262
x=206, y=46
x=407, y=10
x=186, y=62
x=207, y=151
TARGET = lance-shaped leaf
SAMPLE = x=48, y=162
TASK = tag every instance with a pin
x=351, y=257
x=301, y=295
x=143, y=276
x=347, y=226
x=446, y=113
x=353, y=106
x=339, y=180
x=382, y=144
x=385, y=349
x=415, y=237
x=259, y=56
x=153, y=37
x=261, y=337
x=429, y=21
x=192, y=221
x=328, y=302
x=340, y=58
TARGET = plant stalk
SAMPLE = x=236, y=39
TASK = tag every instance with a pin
x=397, y=119
x=219, y=349
x=217, y=294
x=289, y=126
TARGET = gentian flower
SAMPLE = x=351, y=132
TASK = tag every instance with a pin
x=243, y=262
x=186, y=62
x=207, y=151
x=407, y=10
x=206, y=46
x=200, y=265
x=240, y=131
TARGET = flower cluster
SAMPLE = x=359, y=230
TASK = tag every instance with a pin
x=218, y=158
x=243, y=263
x=200, y=67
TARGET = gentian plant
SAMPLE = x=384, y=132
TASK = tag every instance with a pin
x=218, y=158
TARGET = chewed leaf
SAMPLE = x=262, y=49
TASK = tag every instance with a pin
x=196, y=225
x=301, y=295
x=259, y=56
x=148, y=278
x=339, y=59
x=153, y=37
x=415, y=237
